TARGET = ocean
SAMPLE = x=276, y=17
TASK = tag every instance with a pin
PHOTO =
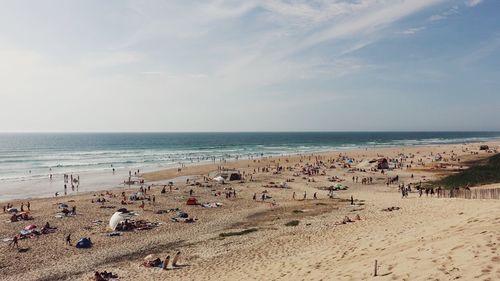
x=27, y=159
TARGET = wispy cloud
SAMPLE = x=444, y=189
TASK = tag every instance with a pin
x=480, y=52
x=472, y=3
x=411, y=31
x=454, y=10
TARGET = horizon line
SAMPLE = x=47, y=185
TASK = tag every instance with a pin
x=218, y=132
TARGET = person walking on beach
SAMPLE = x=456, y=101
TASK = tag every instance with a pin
x=28, y=205
x=352, y=200
x=314, y=196
x=68, y=239
x=14, y=242
x=305, y=195
x=293, y=196
x=154, y=200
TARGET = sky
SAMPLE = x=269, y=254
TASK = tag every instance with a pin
x=273, y=65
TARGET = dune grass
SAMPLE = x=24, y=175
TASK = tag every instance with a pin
x=237, y=233
x=484, y=172
x=292, y=223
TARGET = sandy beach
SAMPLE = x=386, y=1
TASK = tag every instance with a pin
x=286, y=238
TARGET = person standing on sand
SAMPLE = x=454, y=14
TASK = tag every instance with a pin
x=293, y=196
x=352, y=200
x=154, y=200
x=254, y=197
x=305, y=195
x=314, y=196
x=28, y=205
x=68, y=239
x=14, y=242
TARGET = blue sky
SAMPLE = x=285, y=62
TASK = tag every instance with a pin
x=270, y=65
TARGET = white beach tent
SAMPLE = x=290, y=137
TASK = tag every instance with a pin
x=120, y=216
x=219, y=179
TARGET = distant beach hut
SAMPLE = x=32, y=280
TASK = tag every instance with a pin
x=382, y=164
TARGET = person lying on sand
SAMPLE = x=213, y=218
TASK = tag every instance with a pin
x=346, y=220
x=153, y=263
x=98, y=277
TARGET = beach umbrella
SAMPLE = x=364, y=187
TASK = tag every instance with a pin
x=119, y=217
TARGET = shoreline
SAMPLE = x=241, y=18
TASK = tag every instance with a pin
x=154, y=175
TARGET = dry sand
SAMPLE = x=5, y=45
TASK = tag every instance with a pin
x=426, y=239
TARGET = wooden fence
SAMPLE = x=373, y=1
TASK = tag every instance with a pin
x=492, y=193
